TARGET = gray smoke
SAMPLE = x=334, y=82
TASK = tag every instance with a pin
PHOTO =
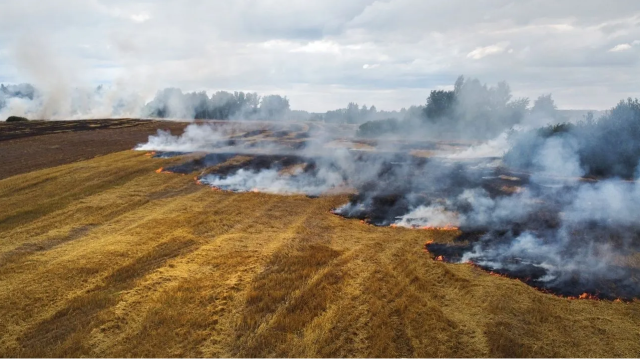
x=277, y=182
x=195, y=138
x=569, y=233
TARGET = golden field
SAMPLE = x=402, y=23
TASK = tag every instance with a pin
x=105, y=257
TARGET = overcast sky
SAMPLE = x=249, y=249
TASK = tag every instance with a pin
x=323, y=54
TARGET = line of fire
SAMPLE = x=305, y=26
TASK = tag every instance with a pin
x=545, y=230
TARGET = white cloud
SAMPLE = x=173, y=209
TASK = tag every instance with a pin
x=142, y=17
x=620, y=47
x=480, y=52
x=322, y=46
x=561, y=27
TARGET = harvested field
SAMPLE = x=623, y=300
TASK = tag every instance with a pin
x=106, y=257
x=33, y=145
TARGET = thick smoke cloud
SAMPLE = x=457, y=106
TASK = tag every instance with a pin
x=78, y=103
x=604, y=147
x=104, y=102
x=578, y=249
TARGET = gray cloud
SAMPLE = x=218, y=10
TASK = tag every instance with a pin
x=323, y=54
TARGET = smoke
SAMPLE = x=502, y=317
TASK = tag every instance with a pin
x=195, y=138
x=55, y=99
x=76, y=103
x=60, y=89
x=548, y=226
x=558, y=157
x=492, y=148
x=431, y=216
x=273, y=181
x=560, y=232
x=542, y=222
x=579, y=248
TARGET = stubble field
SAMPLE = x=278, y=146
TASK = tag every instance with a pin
x=106, y=257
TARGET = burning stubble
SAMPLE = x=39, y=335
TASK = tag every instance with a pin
x=549, y=228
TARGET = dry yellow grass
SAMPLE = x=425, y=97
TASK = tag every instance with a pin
x=108, y=258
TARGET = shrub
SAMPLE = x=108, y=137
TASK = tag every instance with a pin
x=16, y=119
x=378, y=128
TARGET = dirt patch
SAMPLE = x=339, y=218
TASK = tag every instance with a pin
x=13, y=130
x=26, y=147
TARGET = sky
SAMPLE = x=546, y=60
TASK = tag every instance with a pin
x=325, y=54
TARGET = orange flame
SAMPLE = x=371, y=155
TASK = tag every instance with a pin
x=443, y=228
x=581, y=296
x=587, y=296
x=498, y=275
x=162, y=170
x=425, y=246
x=447, y=227
x=149, y=154
x=439, y=258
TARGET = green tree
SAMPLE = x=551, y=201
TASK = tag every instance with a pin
x=440, y=103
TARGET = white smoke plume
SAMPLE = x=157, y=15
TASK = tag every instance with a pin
x=573, y=230
x=275, y=182
x=195, y=138
x=62, y=91
x=429, y=216
x=492, y=148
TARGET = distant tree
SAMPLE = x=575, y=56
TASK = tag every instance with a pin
x=514, y=111
x=16, y=119
x=413, y=113
x=352, y=113
x=440, y=103
x=474, y=109
x=545, y=105
x=588, y=118
x=500, y=95
x=23, y=91
x=457, y=87
x=19, y=91
x=607, y=147
x=378, y=128
x=221, y=105
x=274, y=106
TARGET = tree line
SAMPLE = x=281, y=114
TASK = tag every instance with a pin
x=605, y=147
x=472, y=109
x=222, y=105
